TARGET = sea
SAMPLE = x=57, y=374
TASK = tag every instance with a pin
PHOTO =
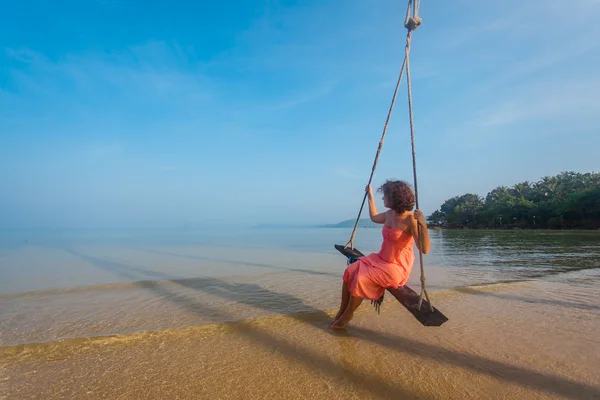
x=61, y=284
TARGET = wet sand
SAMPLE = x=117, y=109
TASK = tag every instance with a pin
x=529, y=340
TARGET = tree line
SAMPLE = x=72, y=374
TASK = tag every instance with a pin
x=569, y=200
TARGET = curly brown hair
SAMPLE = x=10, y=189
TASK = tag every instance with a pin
x=399, y=194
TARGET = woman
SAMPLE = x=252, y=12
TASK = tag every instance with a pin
x=370, y=276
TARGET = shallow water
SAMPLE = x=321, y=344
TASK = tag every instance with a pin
x=65, y=285
x=187, y=315
x=501, y=343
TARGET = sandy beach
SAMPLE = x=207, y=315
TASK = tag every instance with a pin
x=527, y=340
x=167, y=318
x=178, y=182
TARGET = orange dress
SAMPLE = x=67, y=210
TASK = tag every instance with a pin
x=371, y=275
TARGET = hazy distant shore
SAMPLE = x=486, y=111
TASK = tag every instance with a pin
x=365, y=223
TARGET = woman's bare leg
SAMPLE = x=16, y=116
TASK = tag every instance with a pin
x=345, y=300
x=342, y=321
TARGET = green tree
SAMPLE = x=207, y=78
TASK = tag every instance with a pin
x=437, y=218
x=461, y=211
x=567, y=200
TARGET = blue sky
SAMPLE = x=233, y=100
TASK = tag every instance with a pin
x=154, y=113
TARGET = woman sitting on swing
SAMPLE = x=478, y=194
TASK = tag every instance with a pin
x=370, y=276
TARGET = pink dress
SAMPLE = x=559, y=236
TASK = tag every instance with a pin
x=371, y=275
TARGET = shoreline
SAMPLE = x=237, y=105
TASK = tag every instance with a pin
x=438, y=228
x=490, y=348
x=307, y=310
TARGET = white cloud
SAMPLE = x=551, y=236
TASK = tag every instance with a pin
x=153, y=72
x=303, y=97
x=24, y=55
x=518, y=69
x=544, y=101
x=157, y=73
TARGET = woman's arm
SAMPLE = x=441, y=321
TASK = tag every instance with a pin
x=375, y=217
x=423, y=242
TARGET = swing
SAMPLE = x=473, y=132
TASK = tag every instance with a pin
x=413, y=302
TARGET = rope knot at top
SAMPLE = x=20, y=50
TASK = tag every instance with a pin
x=413, y=23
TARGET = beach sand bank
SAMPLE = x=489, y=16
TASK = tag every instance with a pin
x=529, y=340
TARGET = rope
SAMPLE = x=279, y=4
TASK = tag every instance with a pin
x=351, y=241
x=415, y=20
x=412, y=21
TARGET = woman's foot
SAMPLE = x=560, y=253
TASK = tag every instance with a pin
x=336, y=325
x=341, y=322
x=336, y=318
x=346, y=317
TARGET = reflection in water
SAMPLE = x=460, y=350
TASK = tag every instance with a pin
x=501, y=341
x=516, y=254
x=138, y=275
